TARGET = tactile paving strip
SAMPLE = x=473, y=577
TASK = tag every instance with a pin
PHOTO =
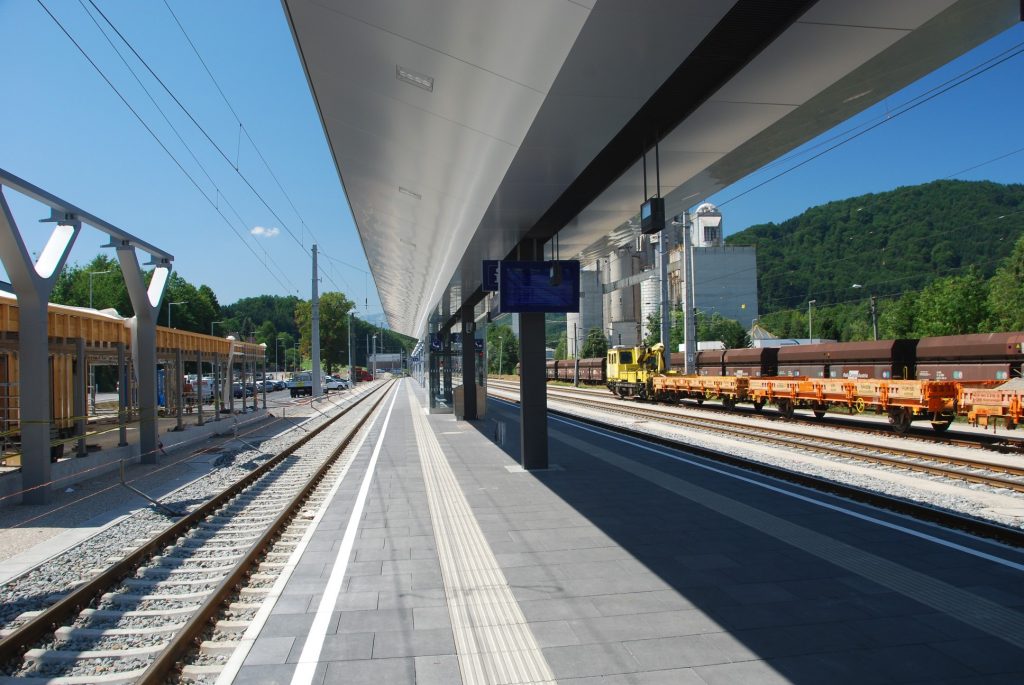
x=494, y=643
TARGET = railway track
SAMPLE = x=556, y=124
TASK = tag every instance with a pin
x=957, y=468
x=927, y=435
x=142, y=617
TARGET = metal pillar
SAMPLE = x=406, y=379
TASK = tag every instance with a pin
x=33, y=282
x=533, y=425
x=122, y=396
x=255, y=395
x=199, y=389
x=179, y=381
x=351, y=375
x=689, y=307
x=264, y=382
x=78, y=397
x=666, y=335
x=446, y=375
x=315, y=332
x=216, y=386
x=468, y=365
x=146, y=303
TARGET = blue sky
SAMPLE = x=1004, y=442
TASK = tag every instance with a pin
x=65, y=130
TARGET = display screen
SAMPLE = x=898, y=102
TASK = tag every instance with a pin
x=645, y=210
x=540, y=286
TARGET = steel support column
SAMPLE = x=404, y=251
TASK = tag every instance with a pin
x=179, y=382
x=216, y=386
x=533, y=424
x=122, y=396
x=468, y=365
x=264, y=367
x=199, y=388
x=146, y=303
x=78, y=392
x=33, y=282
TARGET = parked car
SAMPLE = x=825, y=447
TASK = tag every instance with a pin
x=332, y=383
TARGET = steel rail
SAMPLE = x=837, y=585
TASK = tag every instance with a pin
x=917, y=510
x=745, y=429
x=14, y=646
x=170, y=659
x=849, y=449
x=926, y=435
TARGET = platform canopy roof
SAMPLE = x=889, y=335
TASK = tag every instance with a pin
x=463, y=129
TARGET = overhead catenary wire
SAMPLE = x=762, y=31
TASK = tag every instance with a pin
x=202, y=130
x=218, y=191
x=242, y=129
x=945, y=87
x=151, y=132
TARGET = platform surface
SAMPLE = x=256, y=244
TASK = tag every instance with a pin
x=621, y=564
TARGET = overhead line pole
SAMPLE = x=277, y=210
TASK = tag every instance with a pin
x=315, y=332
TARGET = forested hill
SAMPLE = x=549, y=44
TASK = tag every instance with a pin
x=892, y=242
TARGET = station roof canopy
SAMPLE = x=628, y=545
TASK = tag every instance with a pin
x=462, y=129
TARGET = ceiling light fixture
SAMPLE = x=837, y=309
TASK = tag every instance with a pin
x=410, y=193
x=418, y=80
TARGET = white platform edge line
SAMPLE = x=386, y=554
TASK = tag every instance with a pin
x=238, y=657
x=306, y=668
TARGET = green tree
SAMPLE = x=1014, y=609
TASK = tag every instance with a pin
x=717, y=327
x=897, y=318
x=595, y=344
x=334, y=309
x=653, y=336
x=108, y=288
x=1006, y=293
x=952, y=306
x=561, y=349
x=502, y=350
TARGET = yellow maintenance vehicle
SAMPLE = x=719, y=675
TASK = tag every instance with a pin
x=632, y=369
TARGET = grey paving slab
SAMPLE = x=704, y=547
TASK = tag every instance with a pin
x=674, y=676
x=374, y=621
x=287, y=625
x=372, y=672
x=425, y=618
x=270, y=650
x=577, y=661
x=689, y=651
x=403, y=643
x=437, y=670
x=280, y=674
x=623, y=581
x=742, y=673
x=292, y=604
x=347, y=647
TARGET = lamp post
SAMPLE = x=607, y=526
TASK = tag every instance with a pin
x=277, y=346
x=351, y=375
x=501, y=351
x=373, y=366
x=874, y=310
x=810, y=314
x=169, y=305
x=211, y=325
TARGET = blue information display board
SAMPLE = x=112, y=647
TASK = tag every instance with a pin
x=540, y=286
x=489, y=283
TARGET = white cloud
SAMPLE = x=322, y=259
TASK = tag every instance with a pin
x=265, y=232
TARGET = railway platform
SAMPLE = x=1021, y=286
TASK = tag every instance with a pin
x=439, y=560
